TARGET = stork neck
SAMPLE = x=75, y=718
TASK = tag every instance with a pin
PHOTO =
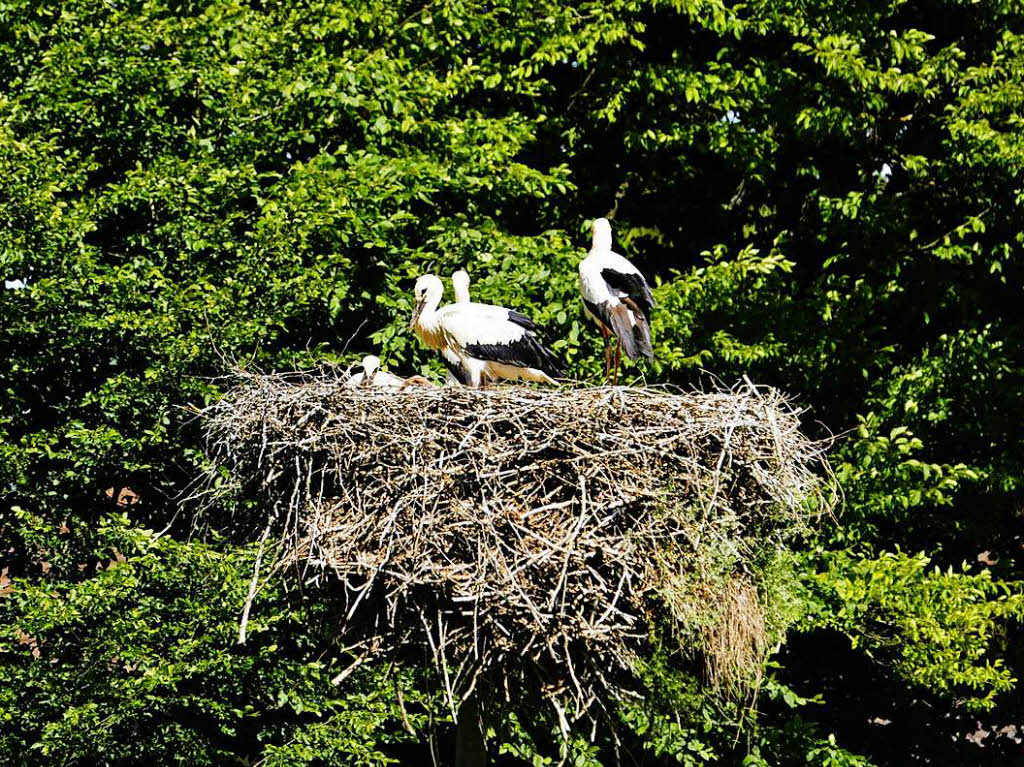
x=430, y=309
x=602, y=240
x=428, y=323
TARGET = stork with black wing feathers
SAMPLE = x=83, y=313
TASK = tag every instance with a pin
x=481, y=342
x=617, y=298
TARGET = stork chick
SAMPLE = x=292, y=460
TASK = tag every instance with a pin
x=373, y=377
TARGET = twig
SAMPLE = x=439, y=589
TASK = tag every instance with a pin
x=253, y=584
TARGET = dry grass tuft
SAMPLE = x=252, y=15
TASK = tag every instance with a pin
x=526, y=540
x=736, y=642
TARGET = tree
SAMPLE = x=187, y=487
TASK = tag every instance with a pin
x=827, y=194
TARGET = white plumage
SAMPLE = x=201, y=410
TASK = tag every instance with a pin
x=480, y=341
x=616, y=297
x=373, y=376
x=460, y=285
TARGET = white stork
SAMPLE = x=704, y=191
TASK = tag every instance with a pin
x=373, y=376
x=460, y=284
x=480, y=342
x=617, y=298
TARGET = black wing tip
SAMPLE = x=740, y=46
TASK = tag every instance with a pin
x=545, y=359
x=456, y=370
x=633, y=285
x=554, y=366
x=520, y=319
x=645, y=352
x=526, y=352
x=642, y=341
x=634, y=337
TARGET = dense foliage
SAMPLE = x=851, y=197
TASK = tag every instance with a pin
x=828, y=195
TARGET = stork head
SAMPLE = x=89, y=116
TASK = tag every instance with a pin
x=428, y=292
x=370, y=365
x=460, y=281
x=602, y=234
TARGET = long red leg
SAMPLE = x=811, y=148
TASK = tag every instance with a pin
x=607, y=354
x=618, y=355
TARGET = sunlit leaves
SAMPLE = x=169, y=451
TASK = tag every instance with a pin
x=826, y=196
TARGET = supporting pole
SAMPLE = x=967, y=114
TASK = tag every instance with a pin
x=470, y=749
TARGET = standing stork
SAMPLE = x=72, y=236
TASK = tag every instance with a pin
x=617, y=298
x=485, y=342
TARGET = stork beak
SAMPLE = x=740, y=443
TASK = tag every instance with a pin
x=417, y=311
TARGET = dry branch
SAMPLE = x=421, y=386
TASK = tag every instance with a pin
x=526, y=540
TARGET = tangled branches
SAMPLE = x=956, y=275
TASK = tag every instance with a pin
x=525, y=540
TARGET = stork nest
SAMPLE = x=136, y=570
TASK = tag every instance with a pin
x=529, y=542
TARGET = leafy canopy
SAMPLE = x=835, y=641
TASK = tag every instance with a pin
x=827, y=196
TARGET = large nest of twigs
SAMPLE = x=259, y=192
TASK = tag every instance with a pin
x=529, y=541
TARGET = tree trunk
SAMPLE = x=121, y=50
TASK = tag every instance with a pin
x=470, y=749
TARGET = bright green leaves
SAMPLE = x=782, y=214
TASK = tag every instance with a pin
x=825, y=195
x=984, y=121
x=893, y=470
x=733, y=287
x=141, y=633
x=937, y=627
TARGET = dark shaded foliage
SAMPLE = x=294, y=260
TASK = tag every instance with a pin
x=826, y=195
